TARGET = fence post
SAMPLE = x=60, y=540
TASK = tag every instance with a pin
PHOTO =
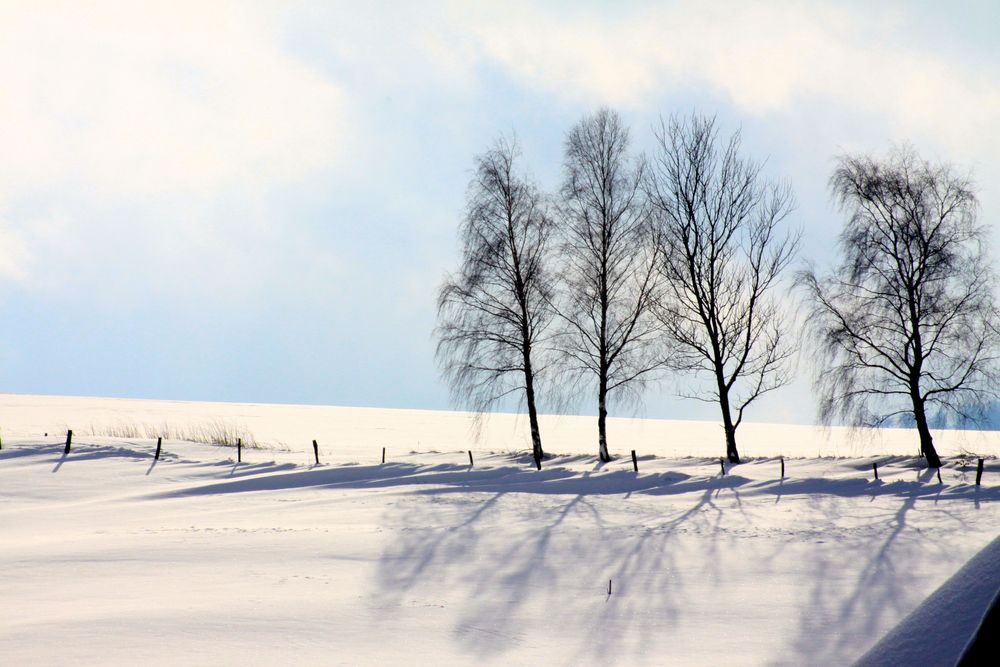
x=239, y=450
x=470, y=458
x=635, y=462
x=316, y=451
x=383, y=455
x=979, y=472
x=875, y=470
x=69, y=441
x=782, y=467
x=159, y=443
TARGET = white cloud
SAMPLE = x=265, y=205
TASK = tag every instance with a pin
x=764, y=57
x=129, y=129
x=142, y=98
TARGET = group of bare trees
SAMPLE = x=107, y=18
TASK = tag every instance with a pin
x=674, y=264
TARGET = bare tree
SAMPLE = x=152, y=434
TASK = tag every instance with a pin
x=722, y=257
x=494, y=314
x=608, y=278
x=905, y=325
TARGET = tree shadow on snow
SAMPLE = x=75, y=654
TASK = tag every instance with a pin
x=839, y=625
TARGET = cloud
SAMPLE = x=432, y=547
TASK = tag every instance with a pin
x=762, y=57
x=154, y=141
x=146, y=98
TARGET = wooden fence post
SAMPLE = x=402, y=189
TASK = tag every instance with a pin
x=470, y=458
x=979, y=472
x=239, y=450
x=875, y=470
x=316, y=451
x=69, y=441
x=159, y=443
x=383, y=455
x=782, y=467
x=635, y=462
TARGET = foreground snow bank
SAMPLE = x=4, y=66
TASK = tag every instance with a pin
x=110, y=557
x=937, y=631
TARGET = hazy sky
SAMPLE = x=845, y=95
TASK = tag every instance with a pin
x=256, y=201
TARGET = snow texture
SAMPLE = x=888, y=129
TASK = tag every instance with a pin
x=937, y=632
x=111, y=557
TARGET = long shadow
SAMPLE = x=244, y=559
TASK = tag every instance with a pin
x=450, y=545
x=61, y=461
x=452, y=478
x=841, y=625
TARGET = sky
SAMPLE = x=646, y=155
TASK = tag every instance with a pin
x=256, y=201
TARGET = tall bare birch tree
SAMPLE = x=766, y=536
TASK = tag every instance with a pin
x=609, y=266
x=723, y=253
x=906, y=324
x=494, y=315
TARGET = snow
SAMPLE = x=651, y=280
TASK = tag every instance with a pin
x=111, y=557
x=939, y=629
x=360, y=433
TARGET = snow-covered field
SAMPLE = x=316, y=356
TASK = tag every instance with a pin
x=109, y=557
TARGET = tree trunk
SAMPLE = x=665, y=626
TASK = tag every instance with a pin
x=602, y=419
x=926, y=441
x=529, y=385
x=727, y=422
x=731, y=452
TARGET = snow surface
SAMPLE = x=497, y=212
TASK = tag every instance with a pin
x=110, y=557
x=360, y=433
x=939, y=629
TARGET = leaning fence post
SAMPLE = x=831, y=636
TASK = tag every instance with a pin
x=635, y=462
x=239, y=450
x=979, y=472
x=470, y=458
x=383, y=455
x=875, y=470
x=69, y=441
x=316, y=451
x=159, y=443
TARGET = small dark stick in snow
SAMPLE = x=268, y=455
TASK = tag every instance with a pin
x=470, y=458
x=239, y=450
x=635, y=461
x=159, y=443
x=1, y=443
x=722, y=464
x=609, y=588
x=316, y=451
x=383, y=455
x=875, y=469
x=782, y=467
x=69, y=441
x=979, y=472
